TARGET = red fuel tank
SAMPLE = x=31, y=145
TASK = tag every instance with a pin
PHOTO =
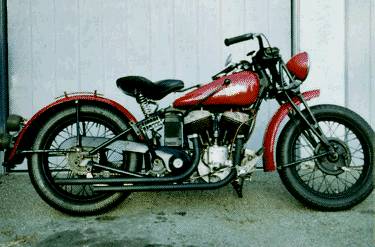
x=242, y=90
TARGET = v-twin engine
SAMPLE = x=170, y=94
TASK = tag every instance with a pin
x=217, y=133
x=211, y=129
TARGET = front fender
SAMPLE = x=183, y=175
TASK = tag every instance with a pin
x=270, y=134
x=26, y=136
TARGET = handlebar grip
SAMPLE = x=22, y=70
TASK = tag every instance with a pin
x=237, y=39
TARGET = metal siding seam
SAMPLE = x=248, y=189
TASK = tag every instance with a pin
x=346, y=82
x=295, y=31
x=371, y=64
x=31, y=56
x=4, y=106
x=4, y=92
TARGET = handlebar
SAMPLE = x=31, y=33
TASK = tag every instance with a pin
x=244, y=37
x=237, y=39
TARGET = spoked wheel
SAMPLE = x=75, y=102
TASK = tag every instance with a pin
x=60, y=132
x=333, y=180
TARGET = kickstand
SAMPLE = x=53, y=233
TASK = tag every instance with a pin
x=237, y=186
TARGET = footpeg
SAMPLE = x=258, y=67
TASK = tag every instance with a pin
x=248, y=164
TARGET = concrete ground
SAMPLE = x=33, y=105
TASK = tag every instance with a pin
x=267, y=216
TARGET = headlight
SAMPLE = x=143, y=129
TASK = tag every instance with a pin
x=299, y=65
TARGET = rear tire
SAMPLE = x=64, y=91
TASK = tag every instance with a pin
x=324, y=183
x=43, y=168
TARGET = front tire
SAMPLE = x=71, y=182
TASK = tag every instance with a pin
x=58, y=132
x=328, y=183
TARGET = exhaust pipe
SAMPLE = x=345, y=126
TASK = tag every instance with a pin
x=171, y=179
x=182, y=186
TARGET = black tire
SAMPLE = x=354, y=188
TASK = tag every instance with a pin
x=332, y=184
x=43, y=168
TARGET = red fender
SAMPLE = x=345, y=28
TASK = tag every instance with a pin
x=28, y=127
x=269, y=139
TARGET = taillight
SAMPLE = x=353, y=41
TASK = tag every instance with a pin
x=14, y=123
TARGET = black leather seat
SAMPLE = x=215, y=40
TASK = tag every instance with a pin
x=132, y=85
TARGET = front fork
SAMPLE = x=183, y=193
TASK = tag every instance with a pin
x=310, y=121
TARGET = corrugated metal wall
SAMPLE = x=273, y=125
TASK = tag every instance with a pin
x=82, y=45
x=339, y=36
x=360, y=57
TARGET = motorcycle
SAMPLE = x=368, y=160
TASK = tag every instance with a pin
x=87, y=153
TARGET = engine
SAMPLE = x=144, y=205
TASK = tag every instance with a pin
x=213, y=130
x=217, y=133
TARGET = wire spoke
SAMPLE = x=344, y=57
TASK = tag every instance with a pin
x=61, y=166
x=315, y=176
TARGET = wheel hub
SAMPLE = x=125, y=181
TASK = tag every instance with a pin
x=333, y=162
x=77, y=162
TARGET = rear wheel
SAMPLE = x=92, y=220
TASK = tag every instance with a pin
x=60, y=132
x=330, y=182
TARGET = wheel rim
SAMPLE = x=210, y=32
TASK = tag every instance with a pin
x=60, y=167
x=327, y=176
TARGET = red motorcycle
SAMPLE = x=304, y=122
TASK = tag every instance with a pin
x=87, y=153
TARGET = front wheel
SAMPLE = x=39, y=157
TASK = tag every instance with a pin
x=328, y=182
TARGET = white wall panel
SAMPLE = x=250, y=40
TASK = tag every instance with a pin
x=66, y=33
x=21, y=86
x=91, y=45
x=43, y=51
x=322, y=36
x=82, y=45
x=359, y=81
x=339, y=36
x=186, y=41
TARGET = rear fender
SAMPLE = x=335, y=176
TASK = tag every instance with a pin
x=28, y=133
x=270, y=135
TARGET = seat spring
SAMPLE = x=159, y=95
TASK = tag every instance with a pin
x=145, y=106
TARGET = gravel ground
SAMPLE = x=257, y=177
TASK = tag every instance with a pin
x=267, y=216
